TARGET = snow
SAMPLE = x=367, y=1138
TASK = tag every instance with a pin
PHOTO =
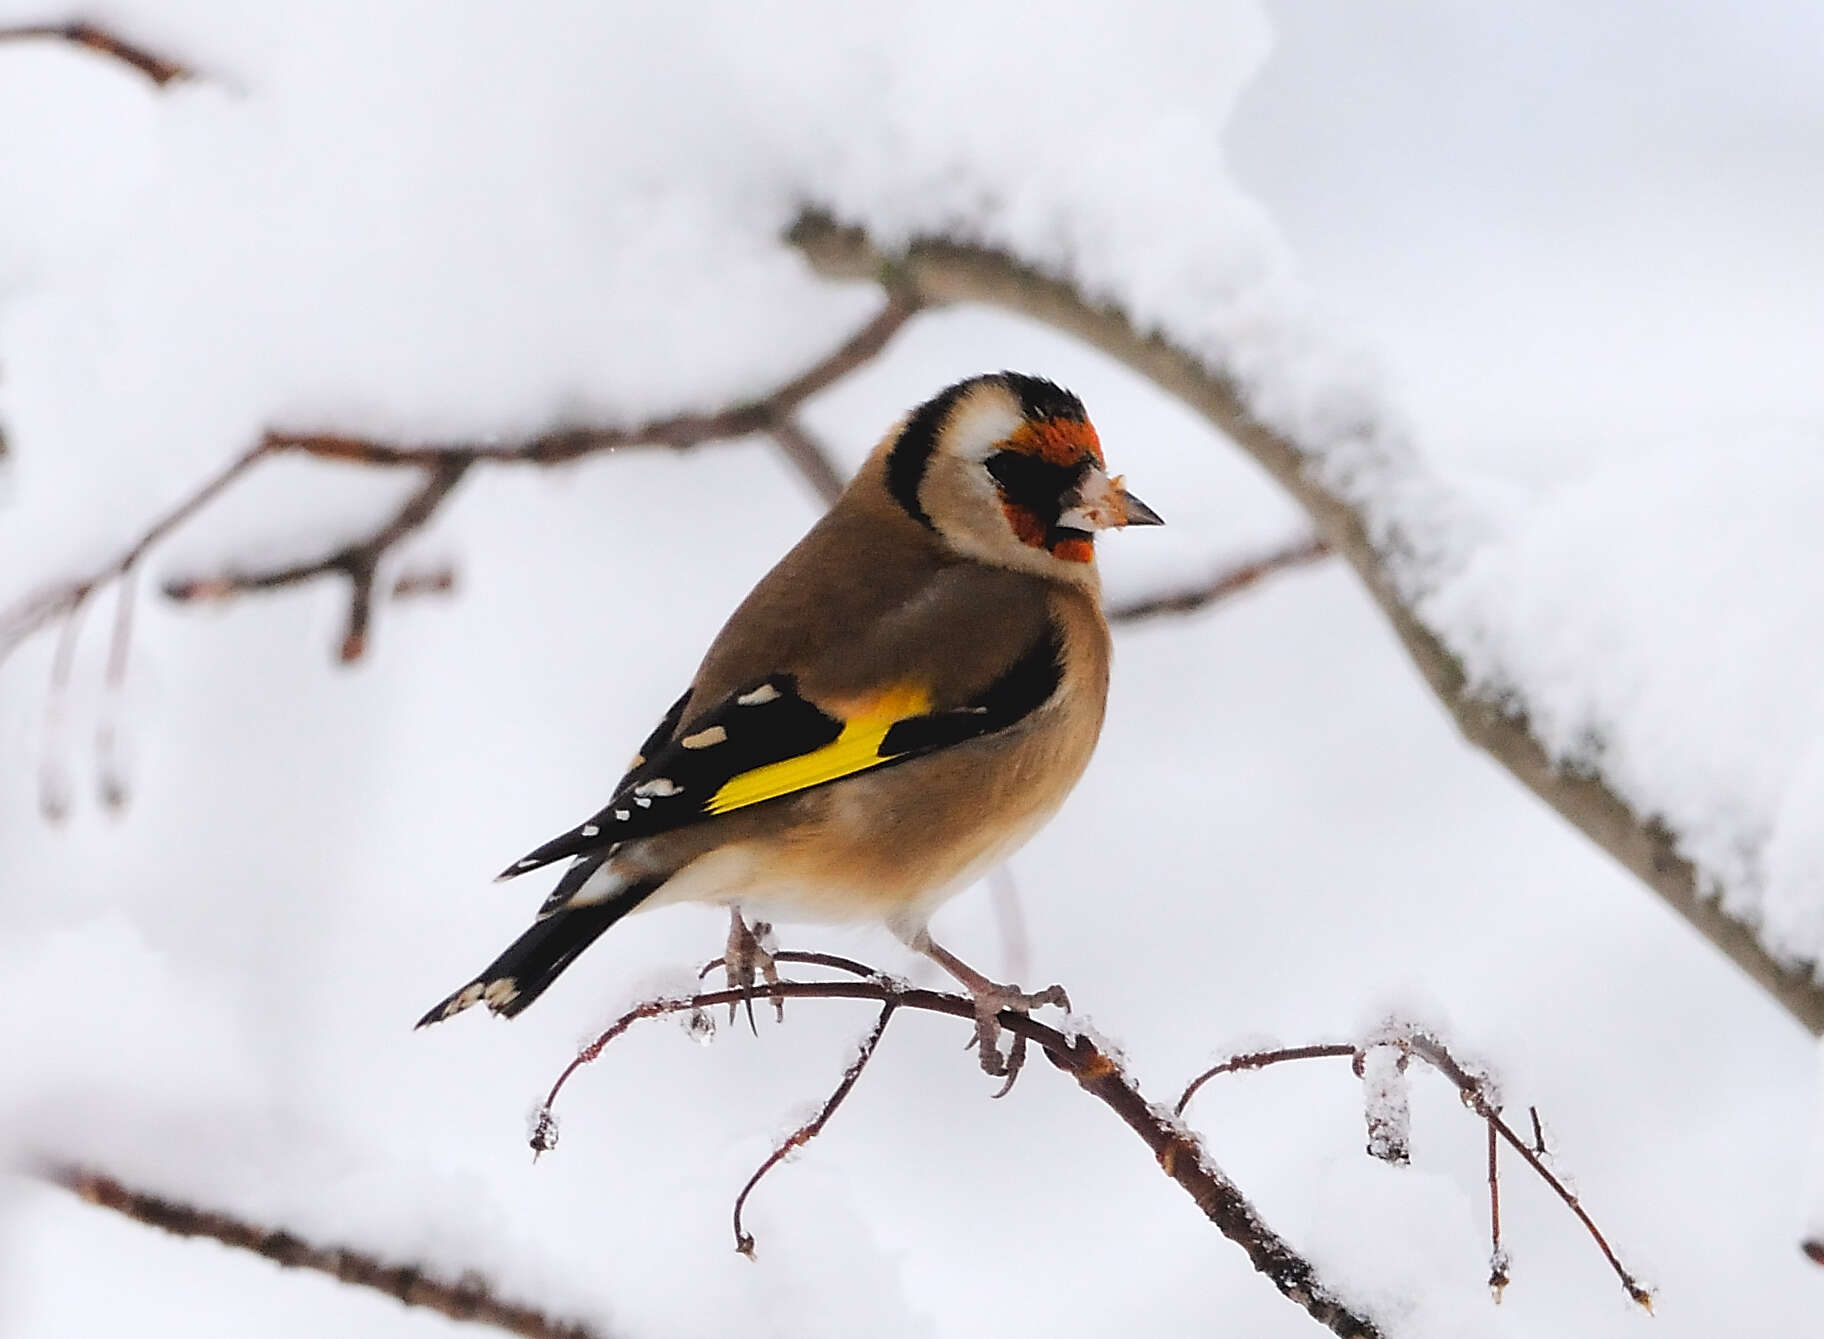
x=1591, y=433
x=1660, y=621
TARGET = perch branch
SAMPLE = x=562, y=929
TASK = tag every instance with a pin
x=93, y=38
x=942, y=270
x=1179, y=1151
x=469, y=1298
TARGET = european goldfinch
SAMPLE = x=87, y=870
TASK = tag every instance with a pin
x=896, y=707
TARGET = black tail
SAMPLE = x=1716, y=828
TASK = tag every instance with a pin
x=538, y=957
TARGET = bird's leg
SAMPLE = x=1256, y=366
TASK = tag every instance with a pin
x=750, y=953
x=991, y=998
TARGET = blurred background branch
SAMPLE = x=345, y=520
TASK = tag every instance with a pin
x=92, y=37
x=470, y=1298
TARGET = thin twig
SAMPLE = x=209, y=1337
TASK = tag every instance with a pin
x=112, y=776
x=1478, y=1095
x=469, y=1298
x=809, y=457
x=1261, y=1060
x=357, y=563
x=54, y=601
x=54, y=766
x=744, y=1240
x=155, y=67
x=1179, y=1152
x=1497, y=1257
x=1226, y=581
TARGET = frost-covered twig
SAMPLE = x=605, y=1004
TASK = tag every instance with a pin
x=1478, y=1094
x=1228, y=580
x=467, y=1298
x=160, y=70
x=1179, y=1152
x=942, y=269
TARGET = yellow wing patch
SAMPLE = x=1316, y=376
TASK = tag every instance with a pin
x=856, y=749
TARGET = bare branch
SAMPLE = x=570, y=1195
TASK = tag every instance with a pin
x=744, y=1240
x=155, y=67
x=1179, y=1152
x=468, y=1298
x=942, y=269
x=357, y=563
x=809, y=457
x=52, y=602
x=1226, y=581
x=1478, y=1095
x=446, y=464
x=1497, y=1256
x=1235, y=1064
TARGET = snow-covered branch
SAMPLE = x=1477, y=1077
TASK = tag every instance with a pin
x=445, y=465
x=942, y=269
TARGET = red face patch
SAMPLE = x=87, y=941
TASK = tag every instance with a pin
x=1031, y=530
x=1061, y=441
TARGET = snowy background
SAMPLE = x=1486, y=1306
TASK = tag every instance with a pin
x=1571, y=254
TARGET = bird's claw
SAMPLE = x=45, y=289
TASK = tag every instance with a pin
x=749, y=957
x=986, y=1040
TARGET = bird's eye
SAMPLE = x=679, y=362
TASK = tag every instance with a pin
x=1031, y=482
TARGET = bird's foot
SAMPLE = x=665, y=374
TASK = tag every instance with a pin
x=749, y=956
x=990, y=1003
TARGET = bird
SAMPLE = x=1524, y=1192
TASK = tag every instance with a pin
x=896, y=707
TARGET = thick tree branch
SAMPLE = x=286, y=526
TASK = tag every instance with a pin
x=941, y=270
x=87, y=35
x=468, y=1298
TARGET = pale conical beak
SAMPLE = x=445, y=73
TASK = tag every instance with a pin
x=1138, y=513
x=1105, y=504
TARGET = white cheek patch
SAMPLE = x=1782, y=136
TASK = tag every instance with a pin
x=979, y=425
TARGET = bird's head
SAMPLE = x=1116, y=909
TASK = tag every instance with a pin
x=1007, y=469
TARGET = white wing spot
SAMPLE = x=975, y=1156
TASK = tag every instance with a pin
x=527, y=863
x=467, y=996
x=622, y=815
x=499, y=994
x=759, y=697
x=704, y=738
x=590, y=830
x=659, y=785
x=643, y=801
